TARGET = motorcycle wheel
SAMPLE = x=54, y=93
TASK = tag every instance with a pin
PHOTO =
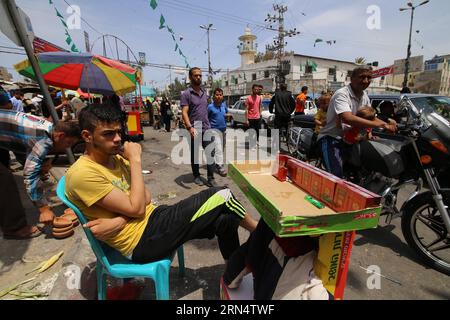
x=291, y=147
x=425, y=232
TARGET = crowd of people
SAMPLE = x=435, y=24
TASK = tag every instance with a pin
x=106, y=183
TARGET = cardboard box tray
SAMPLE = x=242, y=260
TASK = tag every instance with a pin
x=282, y=204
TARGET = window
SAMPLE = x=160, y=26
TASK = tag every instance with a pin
x=308, y=69
x=253, y=76
x=266, y=74
x=226, y=84
x=331, y=71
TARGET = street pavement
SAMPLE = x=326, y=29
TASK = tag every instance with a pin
x=403, y=275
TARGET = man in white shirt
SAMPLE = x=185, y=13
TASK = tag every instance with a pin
x=17, y=102
x=343, y=107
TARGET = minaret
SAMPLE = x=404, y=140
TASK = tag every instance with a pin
x=247, y=47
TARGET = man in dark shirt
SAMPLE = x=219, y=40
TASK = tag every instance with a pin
x=284, y=106
x=194, y=105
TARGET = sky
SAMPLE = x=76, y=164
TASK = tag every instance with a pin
x=137, y=24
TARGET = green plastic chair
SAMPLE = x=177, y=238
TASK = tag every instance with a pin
x=111, y=262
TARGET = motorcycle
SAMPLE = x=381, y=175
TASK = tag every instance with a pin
x=418, y=153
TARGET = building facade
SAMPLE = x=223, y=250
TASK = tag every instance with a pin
x=5, y=75
x=436, y=76
x=318, y=73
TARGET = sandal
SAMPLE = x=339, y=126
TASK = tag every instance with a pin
x=20, y=235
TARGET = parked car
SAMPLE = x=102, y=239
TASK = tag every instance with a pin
x=237, y=112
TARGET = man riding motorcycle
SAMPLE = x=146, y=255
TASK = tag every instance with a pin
x=343, y=107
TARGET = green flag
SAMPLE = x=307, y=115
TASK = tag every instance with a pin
x=161, y=22
x=153, y=4
x=170, y=30
x=74, y=48
x=176, y=47
x=58, y=14
x=69, y=40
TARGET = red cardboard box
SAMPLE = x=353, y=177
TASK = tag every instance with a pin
x=316, y=184
x=340, y=199
x=295, y=171
x=306, y=179
x=328, y=189
x=372, y=199
x=279, y=170
x=359, y=198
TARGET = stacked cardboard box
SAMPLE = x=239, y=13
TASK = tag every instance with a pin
x=338, y=194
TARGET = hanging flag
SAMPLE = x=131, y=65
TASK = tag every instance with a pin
x=59, y=14
x=69, y=40
x=162, y=20
x=162, y=25
x=153, y=4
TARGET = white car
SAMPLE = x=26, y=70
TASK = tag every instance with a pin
x=237, y=112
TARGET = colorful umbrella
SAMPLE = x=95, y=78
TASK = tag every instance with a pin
x=85, y=71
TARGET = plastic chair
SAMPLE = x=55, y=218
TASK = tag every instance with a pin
x=111, y=262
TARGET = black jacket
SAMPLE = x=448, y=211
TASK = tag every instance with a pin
x=284, y=103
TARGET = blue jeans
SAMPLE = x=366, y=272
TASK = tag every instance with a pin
x=332, y=152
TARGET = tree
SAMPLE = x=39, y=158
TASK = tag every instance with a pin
x=216, y=84
x=175, y=89
x=268, y=55
x=360, y=60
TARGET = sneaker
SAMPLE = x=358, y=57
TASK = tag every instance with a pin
x=198, y=181
x=212, y=183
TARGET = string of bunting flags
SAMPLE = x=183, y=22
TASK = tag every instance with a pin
x=163, y=25
x=69, y=39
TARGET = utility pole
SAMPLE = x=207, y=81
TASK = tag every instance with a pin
x=22, y=34
x=279, y=43
x=408, y=54
x=208, y=28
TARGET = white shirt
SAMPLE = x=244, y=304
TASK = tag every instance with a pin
x=343, y=100
x=17, y=105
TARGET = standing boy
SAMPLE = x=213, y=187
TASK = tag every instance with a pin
x=217, y=112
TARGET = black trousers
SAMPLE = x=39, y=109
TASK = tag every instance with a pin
x=12, y=213
x=195, y=157
x=166, y=120
x=213, y=212
x=256, y=125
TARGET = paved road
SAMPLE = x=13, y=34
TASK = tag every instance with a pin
x=406, y=277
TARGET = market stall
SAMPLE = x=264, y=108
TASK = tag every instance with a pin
x=302, y=206
x=87, y=72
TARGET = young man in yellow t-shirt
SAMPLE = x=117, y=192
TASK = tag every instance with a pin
x=107, y=185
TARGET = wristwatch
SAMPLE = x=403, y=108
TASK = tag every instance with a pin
x=189, y=127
